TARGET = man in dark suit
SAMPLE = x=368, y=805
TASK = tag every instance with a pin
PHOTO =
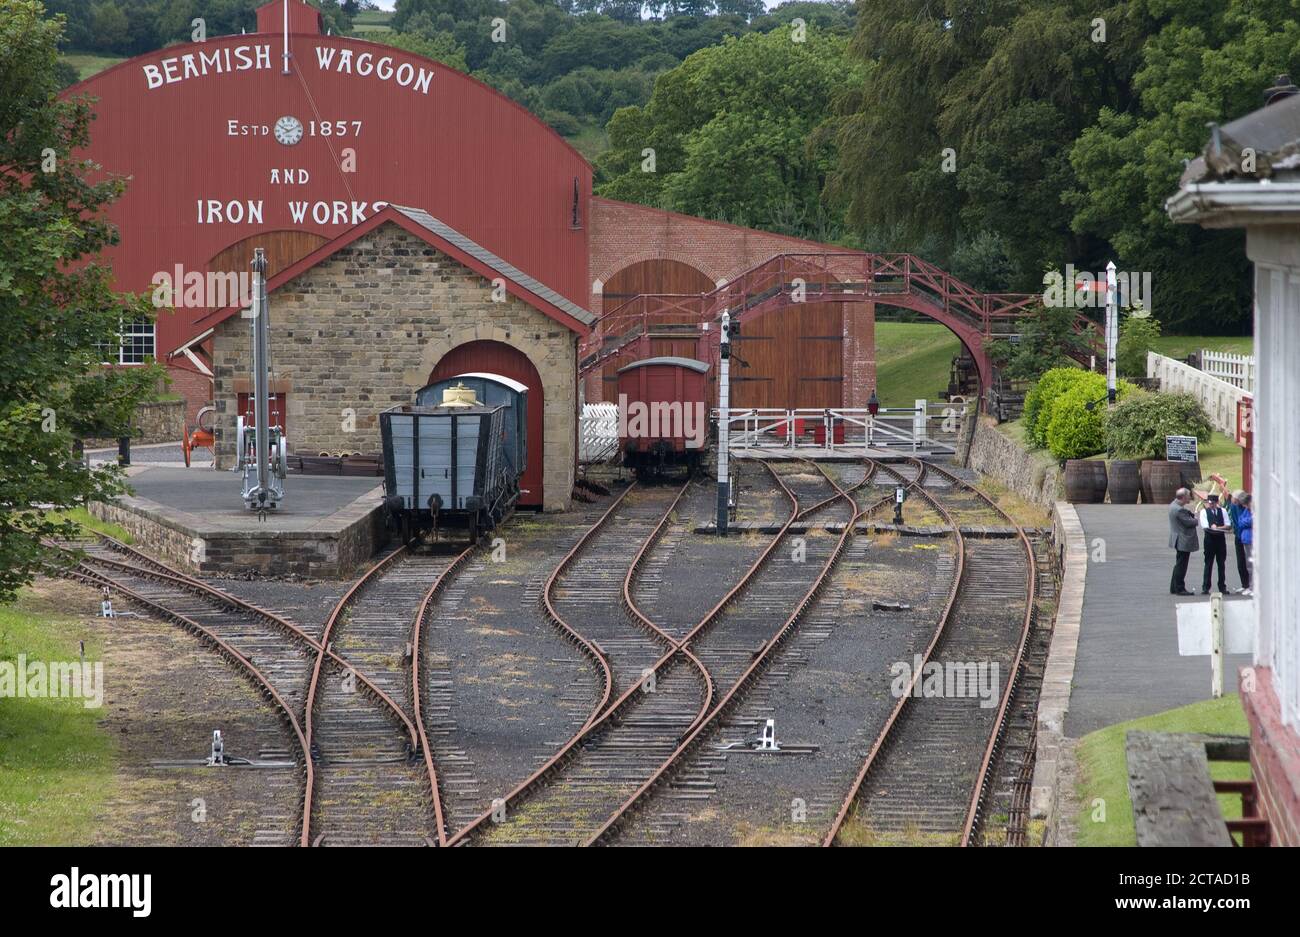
x=1215, y=524
x=1182, y=539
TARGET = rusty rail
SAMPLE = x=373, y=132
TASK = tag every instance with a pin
x=604, y=710
x=918, y=483
x=160, y=571
x=981, y=784
x=973, y=813
x=697, y=730
x=417, y=712
x=88, y=575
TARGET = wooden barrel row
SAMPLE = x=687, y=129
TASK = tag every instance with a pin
x=1087, y=481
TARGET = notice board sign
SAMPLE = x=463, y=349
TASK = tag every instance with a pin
x=1181, y=449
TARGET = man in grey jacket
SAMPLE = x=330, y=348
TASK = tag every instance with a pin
x=1182, y=539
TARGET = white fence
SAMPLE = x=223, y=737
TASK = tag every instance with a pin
x=1217, y=396
x=1237, y=370
x=598, y=433
x=932, y=427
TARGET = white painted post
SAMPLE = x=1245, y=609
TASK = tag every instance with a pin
x=1216, y=645
x=1112, y=332
x=286, y=37
x=918, y=424
x=724, y=425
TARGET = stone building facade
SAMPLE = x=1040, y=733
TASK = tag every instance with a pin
x=361, y=328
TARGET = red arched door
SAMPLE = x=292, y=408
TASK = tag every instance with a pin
x=500, y=358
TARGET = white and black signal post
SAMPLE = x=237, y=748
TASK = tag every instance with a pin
x=724, y=404
x=1112, y=332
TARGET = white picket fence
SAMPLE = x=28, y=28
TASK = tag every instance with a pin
x=598, y=432
x=1237, y=370
x=1217, y=396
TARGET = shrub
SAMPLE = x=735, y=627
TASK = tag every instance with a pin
x=1136, y=429
x=1073, y=430
x=1038, y=401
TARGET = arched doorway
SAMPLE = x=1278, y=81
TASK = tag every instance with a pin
x=500, y=358
x=660, y=275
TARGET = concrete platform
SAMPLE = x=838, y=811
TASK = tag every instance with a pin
x=1127, y=662
x=328, y=527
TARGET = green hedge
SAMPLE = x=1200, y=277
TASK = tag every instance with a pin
x=1038, y=402
x=1074, y=431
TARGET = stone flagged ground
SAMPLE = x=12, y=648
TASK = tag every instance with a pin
x=1128, y=664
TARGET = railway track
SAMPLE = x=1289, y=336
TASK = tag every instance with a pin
x=277, y=654
x=374, y=781
x=822, y=686
x=498, y=694
x=367, y=702
x=926, y=777
x=592, y=586
x=736, y=641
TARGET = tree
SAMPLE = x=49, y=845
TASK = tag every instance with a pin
x=734, y=131
x=56, y=301
x=441, y=47
x=1137, y=337
x=1046, y=338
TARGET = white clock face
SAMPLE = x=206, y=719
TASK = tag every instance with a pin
x=288, y=130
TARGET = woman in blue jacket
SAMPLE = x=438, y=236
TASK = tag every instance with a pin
x=1243, y=529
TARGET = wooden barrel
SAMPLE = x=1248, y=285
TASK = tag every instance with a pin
x=1166, y=479
x=1145, y=479
x=1080, y=482
x=1125, y=481
x=1100, y=481
x=1191, y=472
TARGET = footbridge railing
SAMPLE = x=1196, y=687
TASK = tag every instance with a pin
x=789, y=279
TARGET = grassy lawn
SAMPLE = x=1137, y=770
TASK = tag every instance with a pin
x=369, y=22
x=1222, y=455
x=1180, y=346
x=89, y=63
x=590, y=141
x=913, y=360
x=1103, y=772
x=84, y=518
x=56, y=764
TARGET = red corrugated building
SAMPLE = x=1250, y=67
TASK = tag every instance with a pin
x=285, y=139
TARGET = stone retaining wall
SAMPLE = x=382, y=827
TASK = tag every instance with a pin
x=161, y=421
x=180, y=540
x=1033, y=476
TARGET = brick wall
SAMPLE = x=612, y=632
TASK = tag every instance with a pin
x=859, y=354
x=1274, y=759
x=623, y=234
x=362, y=330
x=196, y=388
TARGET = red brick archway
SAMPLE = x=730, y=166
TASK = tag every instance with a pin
x=500, y=358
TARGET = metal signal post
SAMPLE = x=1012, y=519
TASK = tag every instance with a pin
x=724, y=403
x=262, y=457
